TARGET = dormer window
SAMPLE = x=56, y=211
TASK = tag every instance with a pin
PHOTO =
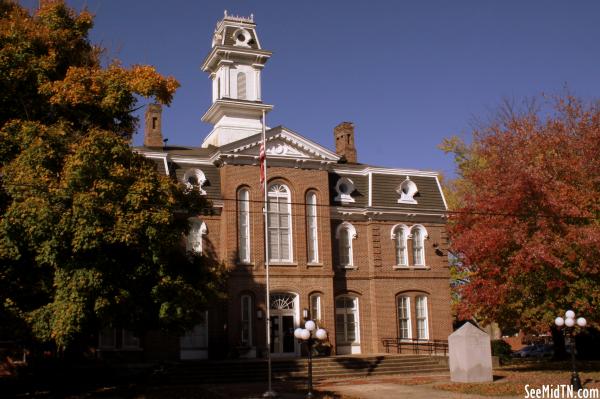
x=194, y=179
x=407, y=191
x=344, y=188
x=242, y=38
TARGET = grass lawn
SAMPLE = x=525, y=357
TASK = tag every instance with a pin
x=511, y=380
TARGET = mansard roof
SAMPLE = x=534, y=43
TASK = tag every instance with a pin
x=376, y=190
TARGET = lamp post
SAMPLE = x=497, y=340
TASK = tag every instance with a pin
x=569, y=323
x=305, y=335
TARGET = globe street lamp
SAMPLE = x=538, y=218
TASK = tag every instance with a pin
x=305, y=335
x=569, y=323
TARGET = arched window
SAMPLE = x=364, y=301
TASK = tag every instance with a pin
x=400, y=235
x=345, y=233
x=418, y=245
x=241, y=85
x=311, y=228
x=315, y=307
x=346, y=320
x=194, y=238
x=404, y=327
x=279, y=223
x=421, y=315
x=247, y=311
x=243, y=197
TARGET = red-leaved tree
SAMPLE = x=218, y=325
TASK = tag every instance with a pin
x=526, y=221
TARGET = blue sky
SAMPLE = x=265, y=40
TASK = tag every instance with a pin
x=406, y=73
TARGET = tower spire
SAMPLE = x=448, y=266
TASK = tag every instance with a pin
x=234, y=65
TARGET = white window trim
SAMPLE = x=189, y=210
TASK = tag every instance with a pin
x=426, y=311
x=408, y=313
x=318, y=316
x=196, y=247
x=424, y=236
x=344, y=197
x=244, y=213
x=249, y=315
x=404, y=231
x=312, y=234
x=411, y=191
x=356, y=342
x=352, y=235
x=288, y=197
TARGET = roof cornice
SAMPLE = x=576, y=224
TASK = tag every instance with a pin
x=228, y=51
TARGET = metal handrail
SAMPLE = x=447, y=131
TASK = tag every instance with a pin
x=416, y=346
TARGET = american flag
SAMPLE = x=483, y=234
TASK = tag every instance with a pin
x=262, y=156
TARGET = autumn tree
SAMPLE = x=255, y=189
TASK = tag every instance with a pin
x=526, y=218
x=90, y=233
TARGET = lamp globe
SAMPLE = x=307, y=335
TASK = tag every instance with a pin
x=321, y=334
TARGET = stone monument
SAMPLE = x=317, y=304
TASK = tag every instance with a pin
x=470, y=355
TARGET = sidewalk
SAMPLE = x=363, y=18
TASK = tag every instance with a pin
x=394, y=387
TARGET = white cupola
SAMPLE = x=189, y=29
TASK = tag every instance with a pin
x=234, y=65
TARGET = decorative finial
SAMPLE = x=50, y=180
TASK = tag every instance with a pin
x=225, y=13
x=252, y=17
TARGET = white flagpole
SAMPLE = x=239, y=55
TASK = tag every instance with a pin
x=270, y=393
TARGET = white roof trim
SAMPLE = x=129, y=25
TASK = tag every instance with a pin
x=441, y=191
x=286, y=135
x=384, y=171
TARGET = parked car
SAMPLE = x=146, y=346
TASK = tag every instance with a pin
x=539, y=351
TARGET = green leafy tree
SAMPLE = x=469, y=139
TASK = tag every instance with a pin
x=90, y=233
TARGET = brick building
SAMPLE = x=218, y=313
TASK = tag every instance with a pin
x=358, y=247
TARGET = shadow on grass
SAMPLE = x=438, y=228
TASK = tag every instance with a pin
x=551, y=365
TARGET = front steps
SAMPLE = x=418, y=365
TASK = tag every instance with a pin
x=199, y=372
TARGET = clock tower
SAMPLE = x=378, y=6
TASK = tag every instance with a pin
x=234, y=65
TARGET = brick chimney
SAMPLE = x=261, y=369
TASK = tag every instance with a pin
x=344, y=141
x=153, y=131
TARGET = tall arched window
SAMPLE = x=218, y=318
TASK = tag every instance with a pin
x=400, y=235
x=244, y=225
x=311, y=228
x=194, y=238
x=241, y=85
x=418, y=245
x=345, y=233
x=279, y=223
x=247, y=311
x=422, y=317
x=404, y=328
x=315, y=307
x=346, y=320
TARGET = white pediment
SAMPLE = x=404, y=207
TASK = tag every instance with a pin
x=281, y=143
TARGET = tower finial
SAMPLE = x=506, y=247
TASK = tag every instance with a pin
x=225, y=13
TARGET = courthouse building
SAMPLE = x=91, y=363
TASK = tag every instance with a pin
x=360, y=248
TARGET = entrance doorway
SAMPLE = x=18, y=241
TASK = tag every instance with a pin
x=283, y=322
